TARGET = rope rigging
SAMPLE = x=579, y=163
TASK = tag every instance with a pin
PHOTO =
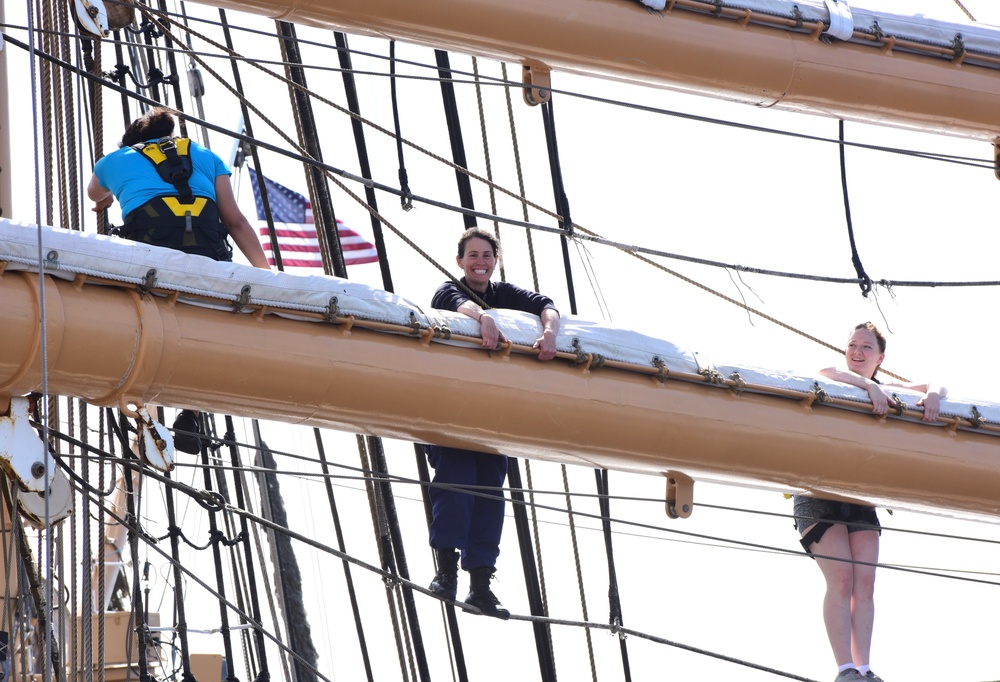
x=886, y=282
x=393, y=578
x=589, y=236
x=866, y=281
x=547, y=622
x=366, y=475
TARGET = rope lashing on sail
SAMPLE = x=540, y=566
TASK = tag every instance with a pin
x=662, y=371
x=587, y=361
x=738, y=385
x=818, y=394
x=713, y=376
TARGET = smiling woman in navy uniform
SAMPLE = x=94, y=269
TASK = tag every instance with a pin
x=473, y=523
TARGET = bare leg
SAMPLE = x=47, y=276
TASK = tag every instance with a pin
x=839, y=575
x=864, y=547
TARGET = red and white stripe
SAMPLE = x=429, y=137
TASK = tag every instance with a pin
x=299, y=244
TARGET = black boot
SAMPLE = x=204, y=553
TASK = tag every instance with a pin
x=481, y=596
x=445, y=583
x=187, y=427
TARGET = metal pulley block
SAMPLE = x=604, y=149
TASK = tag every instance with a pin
x=680, y=495
x=22, y=452
x=155, y=442
x=537, y=77
x=91, y=16
x=60, y=502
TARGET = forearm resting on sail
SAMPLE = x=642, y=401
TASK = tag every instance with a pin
x=880, y=402
x=546, y=343
x=488, y=329
x=931, y=402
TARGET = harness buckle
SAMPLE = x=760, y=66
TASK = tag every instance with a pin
x=166, y=143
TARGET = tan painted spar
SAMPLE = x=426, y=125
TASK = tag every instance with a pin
x=106, y=344
x=692, y=51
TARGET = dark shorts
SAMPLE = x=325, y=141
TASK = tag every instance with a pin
x=825, y=513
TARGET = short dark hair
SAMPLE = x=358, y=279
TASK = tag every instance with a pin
x=155, y=123
x=478, y=233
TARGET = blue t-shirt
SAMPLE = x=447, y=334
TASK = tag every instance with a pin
x=133, y=179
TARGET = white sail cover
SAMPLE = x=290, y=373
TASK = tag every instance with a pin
x=845, y=16
x=228, y=286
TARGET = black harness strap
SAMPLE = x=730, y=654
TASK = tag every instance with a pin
x=814, y=535
x=171, y=159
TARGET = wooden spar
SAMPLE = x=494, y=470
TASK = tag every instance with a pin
x=109, y=344
x=690, y=51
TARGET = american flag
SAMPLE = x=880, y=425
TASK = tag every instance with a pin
x=293, y=223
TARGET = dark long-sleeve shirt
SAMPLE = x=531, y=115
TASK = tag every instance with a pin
x=497, y=295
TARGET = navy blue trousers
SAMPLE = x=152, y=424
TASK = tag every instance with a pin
x=472, y=523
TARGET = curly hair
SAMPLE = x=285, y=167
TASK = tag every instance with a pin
x=155, y=123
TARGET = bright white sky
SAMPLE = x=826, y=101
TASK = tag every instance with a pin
x=696, y=189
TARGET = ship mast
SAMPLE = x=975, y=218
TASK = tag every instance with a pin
x=5, y=197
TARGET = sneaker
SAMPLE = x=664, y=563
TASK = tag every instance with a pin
x=872, y=677
x=849, y=675
x=187, y=428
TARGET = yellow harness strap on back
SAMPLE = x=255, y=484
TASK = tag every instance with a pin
x=179, y=209
x=153, y=152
